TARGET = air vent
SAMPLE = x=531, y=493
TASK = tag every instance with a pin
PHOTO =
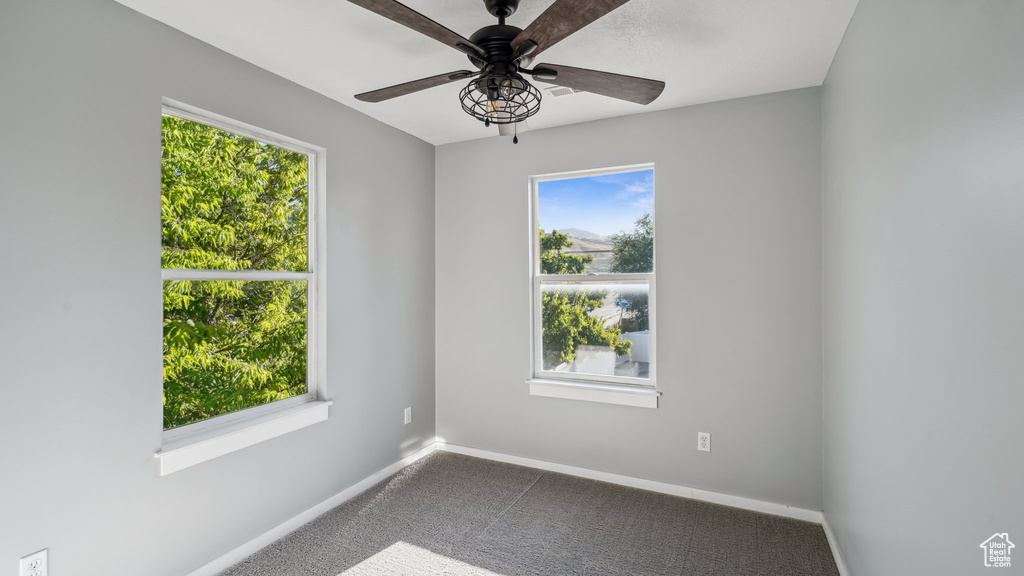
x=562, y=91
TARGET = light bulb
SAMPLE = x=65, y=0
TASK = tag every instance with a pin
x=509, y=88
x=493, y=108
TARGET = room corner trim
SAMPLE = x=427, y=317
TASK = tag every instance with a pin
x=256, y=544
x=834, y=545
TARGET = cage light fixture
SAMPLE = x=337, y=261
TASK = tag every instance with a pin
x=500, y=98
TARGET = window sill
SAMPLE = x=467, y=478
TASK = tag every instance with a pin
x=208, y=444
x=595, y=392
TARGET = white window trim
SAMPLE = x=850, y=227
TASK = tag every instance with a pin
x=639, y=397
x=229, y=437
x=626, y=391
x=202, y=441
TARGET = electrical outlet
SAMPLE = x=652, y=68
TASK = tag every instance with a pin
x=704, y=441
x=408, y=415
x=35, y=564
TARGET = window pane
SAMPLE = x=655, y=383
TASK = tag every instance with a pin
x=597, y=224
x=229, y=202
x=592, y=328
x=231, y=345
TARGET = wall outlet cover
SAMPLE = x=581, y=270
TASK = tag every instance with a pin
x=36, y=564
x=408, y=415
x=704, y=441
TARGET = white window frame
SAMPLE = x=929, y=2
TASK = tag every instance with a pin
x=629, y=391
x=200, y=441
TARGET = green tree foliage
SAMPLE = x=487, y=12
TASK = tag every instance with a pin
x=554, y=261
x=565, y=314
x=231, y=203
x=633, y=253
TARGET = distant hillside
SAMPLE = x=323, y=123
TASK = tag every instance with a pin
x=582, y=234
x=597, y=246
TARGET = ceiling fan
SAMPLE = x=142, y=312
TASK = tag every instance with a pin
x=498, y=93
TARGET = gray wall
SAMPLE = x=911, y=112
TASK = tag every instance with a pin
x=80, y=312
x=738, y=232
x=924, y=277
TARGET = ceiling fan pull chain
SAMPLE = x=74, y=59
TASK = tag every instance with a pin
x=515, y=137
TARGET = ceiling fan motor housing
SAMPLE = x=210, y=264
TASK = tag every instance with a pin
x=496, y=41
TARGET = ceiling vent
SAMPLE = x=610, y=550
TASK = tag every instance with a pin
x=562, y=91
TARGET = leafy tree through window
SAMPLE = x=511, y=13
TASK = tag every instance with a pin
x=235, y=249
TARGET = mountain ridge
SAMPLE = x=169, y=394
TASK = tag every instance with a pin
x=581, y=234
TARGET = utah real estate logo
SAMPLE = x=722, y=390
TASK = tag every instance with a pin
x=997, y=550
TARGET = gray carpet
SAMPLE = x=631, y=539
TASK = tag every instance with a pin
x=454, y=515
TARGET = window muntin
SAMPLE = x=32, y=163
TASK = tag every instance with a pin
x=237, y=263
x=594, y=288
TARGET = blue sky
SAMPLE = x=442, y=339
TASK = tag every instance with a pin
x=603, y=205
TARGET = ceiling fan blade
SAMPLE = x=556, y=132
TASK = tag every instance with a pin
x=414, y=86
x=563, y=18
x=406, y=16
x=630, y=88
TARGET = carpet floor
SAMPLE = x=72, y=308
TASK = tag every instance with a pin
x=455, y=515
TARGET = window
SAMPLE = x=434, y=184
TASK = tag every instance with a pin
x=240, y=273
x=593, y=283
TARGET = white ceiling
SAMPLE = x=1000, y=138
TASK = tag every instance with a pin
x=705, y=50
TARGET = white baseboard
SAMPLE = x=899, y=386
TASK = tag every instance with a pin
x=673, y=489
x=288, y=526
x=263, y=540
x=834, y=545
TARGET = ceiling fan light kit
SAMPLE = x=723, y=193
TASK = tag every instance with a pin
x=499, y=93
x=500, y=99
